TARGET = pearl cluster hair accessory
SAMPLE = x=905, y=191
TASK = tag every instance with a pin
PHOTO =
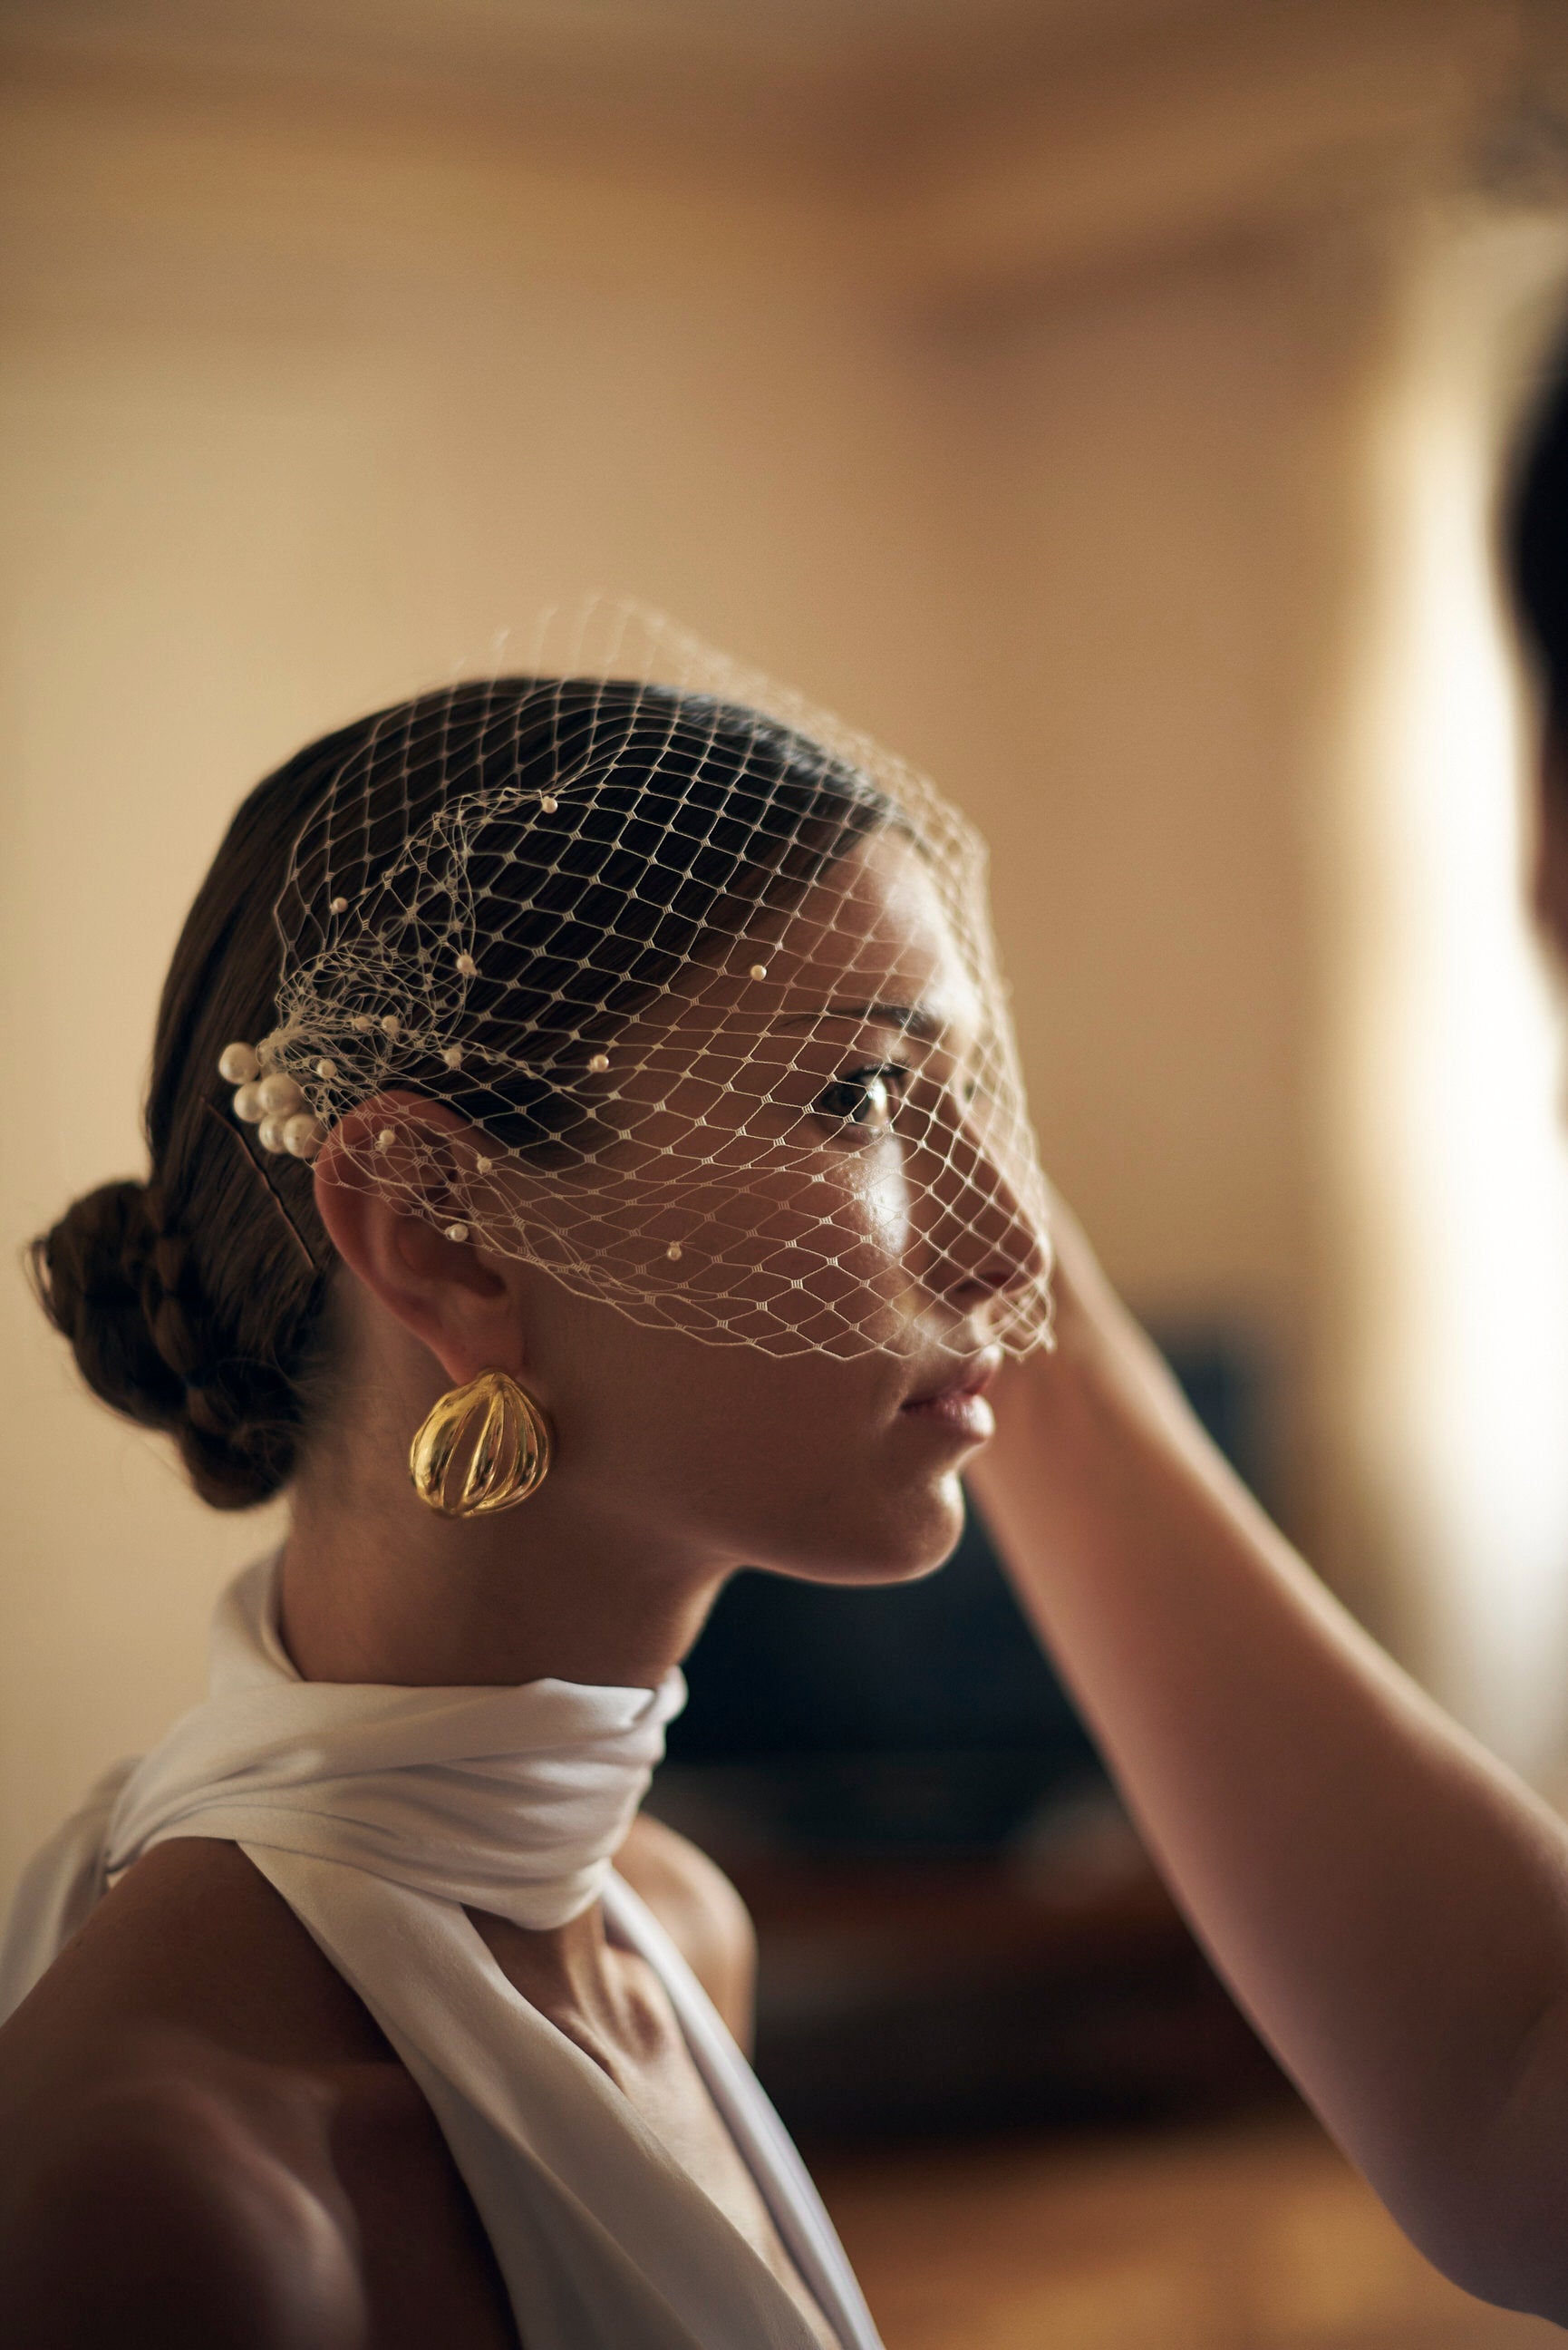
x=274, y=1105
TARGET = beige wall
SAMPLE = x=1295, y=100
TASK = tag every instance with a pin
x=304, y=400
x=1160, y=577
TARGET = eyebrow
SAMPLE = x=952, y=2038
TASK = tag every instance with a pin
x=909, y=1019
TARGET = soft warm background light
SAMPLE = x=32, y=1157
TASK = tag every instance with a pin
x=1035, y=389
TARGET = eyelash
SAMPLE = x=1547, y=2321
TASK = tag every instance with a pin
x=894, y=1076
x=891, y=1075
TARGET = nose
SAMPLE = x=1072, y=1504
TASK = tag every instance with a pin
x=981, y=1237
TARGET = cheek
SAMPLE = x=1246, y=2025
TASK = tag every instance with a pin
x=816, y=1262
x=790, y=1260
x=802, y=1466
x=716, y=1427
x=794, y=1465
x=877, y=1209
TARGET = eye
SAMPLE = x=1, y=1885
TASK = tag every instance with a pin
x=866, y=1099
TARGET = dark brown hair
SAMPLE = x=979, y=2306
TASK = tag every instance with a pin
x=194, y=1301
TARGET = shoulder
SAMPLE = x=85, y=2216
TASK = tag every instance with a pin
x=165, y=2170
x=700, y=1911
x=194, y=1937
x=147, y=2203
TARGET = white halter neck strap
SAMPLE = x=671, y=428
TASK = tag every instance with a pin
x=509, y=1800
x=381, y=1814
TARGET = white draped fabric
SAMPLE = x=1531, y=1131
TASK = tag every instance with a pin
x=380, y=1813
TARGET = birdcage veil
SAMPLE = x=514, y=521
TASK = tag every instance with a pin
x=619, y=907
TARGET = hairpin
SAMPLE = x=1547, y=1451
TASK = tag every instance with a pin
x=227, y=1126
x=274, y=1105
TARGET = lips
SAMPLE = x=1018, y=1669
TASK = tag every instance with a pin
x=958, y=1404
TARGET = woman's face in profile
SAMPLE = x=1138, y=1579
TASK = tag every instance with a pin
x=811, y=1165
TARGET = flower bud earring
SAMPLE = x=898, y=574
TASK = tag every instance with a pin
x=508, y=1443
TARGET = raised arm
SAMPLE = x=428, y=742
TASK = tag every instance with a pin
x=1389, y=1903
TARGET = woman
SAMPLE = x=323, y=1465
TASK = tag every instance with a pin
x=584, y=1159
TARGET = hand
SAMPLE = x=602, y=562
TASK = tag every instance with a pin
x=1102, y=1354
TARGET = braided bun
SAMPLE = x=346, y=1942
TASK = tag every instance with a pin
x=194, y=1303
x=120, y=1281
x=90, y=1272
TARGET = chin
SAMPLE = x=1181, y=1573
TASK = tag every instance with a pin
x=918, y=1533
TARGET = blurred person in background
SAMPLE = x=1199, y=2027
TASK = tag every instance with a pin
x=1387, y=1902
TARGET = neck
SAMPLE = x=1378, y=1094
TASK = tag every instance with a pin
x=374, y=1587
x=571, y=1585
x=366, y=1595
x=472, y=1606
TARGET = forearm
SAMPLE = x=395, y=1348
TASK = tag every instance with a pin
x=1389, y=1904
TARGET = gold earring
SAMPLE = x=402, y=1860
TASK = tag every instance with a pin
x=512, y=1445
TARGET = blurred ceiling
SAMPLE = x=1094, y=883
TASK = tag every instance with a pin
x=969, y=144
x=487, y=36
x=824, y=79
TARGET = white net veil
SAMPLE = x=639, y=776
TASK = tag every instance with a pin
x=705, y=983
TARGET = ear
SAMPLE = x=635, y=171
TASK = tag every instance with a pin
x=393, y=1179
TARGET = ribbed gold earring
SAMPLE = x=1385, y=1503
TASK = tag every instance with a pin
x=510, y=1445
